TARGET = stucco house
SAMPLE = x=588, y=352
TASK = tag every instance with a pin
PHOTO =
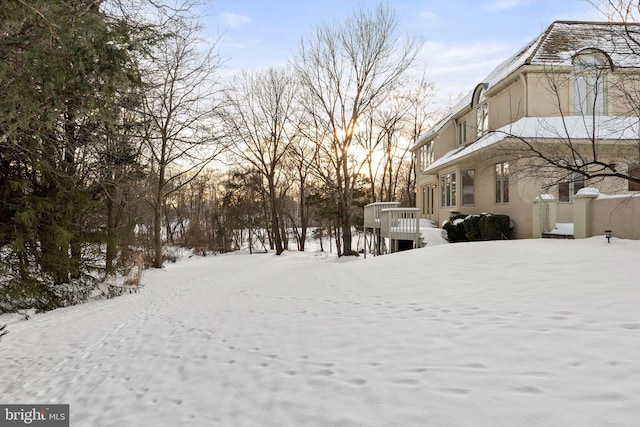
x=569, y=94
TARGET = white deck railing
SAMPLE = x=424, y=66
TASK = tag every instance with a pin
x=372, y=213
x=387, y=221
x=400, y=224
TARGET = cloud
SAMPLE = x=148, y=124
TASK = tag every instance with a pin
x=456, y=68
x=505, y=4
x=427, y=15
x=232, y=20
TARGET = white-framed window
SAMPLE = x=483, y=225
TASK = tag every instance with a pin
x=634, y=171
x=567, y=189
x=428, y=200
x=425, y=154
x=502, y=183
x=468, y=187
x=482, y=113
x=590, y=72
x=448, y=190
x=462, y=132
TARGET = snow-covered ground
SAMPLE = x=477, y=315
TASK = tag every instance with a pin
x=507, y=333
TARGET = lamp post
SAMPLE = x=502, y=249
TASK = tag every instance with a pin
x=607, y=234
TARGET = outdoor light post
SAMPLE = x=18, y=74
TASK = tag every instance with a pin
x=607, y=234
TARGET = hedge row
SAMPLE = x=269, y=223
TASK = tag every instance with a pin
x=465, y=228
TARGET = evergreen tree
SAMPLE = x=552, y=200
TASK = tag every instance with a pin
x=63, y=67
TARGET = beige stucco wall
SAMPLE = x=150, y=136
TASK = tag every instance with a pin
x=508, y=105
x=445, y=142
x=547, y=96
x=620, y=214
x=623, y=101
x=521, y=196
x=523, y=190
x=531, y=93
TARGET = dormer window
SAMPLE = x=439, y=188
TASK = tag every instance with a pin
x=425, y=154
x=481, y=107
x=590, y=71
x=462, y=132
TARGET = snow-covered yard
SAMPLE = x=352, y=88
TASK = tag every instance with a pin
x=509, y=333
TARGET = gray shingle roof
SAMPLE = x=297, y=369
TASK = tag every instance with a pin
x=556, y=46
x=563, y=39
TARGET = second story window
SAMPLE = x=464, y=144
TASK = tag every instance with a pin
x=426, y=155
x=482, y=113
x=590, y=72
x=462, y=132
x=634, y=171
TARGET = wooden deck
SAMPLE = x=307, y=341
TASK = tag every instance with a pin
x=387, y=221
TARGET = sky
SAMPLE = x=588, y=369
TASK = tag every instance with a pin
x=463, y=39
x=535, y=333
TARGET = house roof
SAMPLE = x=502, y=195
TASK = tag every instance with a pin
x=611, y=128
x=556, y=46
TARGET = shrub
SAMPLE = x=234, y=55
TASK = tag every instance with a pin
x=134, y=273
x=170, y=255
x=495, y=227
x=20, y=293
x=455, y=229
x=461, y=228
x=472, y=228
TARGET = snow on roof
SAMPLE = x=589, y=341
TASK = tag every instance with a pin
x=570, y=127
x=557, y=46
x=564, y=39
x=588, y=191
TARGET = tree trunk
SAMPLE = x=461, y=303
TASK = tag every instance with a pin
x=157, y=221
x=346, y=233
x=345, y=208
x=303, y=218
x=275, y=223
x=157, y=234
x=111, y=241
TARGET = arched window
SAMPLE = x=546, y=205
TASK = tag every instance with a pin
x=482, y=111
x=590, y=71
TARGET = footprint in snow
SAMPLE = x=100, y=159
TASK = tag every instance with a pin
x=476, y=366
x=455, y=391
x=356, y=381
x=629, y=325
x=609, y=397
x=528, y=389
x=406, y=381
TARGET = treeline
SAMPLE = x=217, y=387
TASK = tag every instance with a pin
x=117, y=137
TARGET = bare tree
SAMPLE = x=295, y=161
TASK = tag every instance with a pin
x=258, y=114
x=627, y=11
x=300, y=160
x=347, y=69
x=420, y=112
x=179, y=103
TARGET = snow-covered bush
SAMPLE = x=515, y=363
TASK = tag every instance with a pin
x=461, y=228
x=455, y=229
x=495, y=227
